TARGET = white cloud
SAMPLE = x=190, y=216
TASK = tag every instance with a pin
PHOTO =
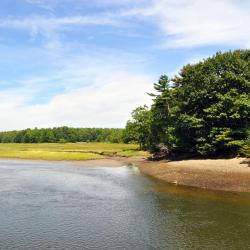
x=100, y=92
x=189, y=23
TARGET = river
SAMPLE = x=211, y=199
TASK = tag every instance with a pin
x=65, y=206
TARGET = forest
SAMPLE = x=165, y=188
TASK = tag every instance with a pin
x=63, y=135
x=204, y=110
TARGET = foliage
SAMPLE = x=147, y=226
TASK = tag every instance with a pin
x=63, y=135
x=138, y=127
x=245, y=150
x=160, y=112
x=205, y=110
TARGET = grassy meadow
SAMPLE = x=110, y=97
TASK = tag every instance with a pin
x=68, y=151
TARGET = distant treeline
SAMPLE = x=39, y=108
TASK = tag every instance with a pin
x=63, y=134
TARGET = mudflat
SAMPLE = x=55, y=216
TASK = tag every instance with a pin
x=214, y=174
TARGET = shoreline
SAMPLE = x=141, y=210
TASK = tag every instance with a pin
x=232, y=175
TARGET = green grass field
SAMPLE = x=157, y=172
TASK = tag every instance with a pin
x=68, y=151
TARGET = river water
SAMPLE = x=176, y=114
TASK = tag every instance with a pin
x=62, y=206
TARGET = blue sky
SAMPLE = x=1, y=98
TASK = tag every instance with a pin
x=89, y=63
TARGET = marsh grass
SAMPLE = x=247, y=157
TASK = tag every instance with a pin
x=129, y=153
x=67, y=151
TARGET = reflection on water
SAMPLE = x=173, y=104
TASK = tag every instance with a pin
x=56, y=206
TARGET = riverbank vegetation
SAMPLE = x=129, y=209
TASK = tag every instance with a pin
x=68, y=151
x=62, y=135
x=202, y=111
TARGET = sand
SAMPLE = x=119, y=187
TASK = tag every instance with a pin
x=220, y=174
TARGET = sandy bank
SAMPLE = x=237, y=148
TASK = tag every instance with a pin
x=212, y=174
x=220, y=174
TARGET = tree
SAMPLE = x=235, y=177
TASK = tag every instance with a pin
x=63, y=134
x=212, y=111
x=138, y=129
x=205, y=110
x=160, y=111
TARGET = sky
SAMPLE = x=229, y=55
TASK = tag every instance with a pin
x=84, y=63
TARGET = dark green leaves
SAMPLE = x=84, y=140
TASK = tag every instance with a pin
x=205, y=110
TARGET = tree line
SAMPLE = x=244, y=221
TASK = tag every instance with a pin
x=204, y=110
x=63, y=134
